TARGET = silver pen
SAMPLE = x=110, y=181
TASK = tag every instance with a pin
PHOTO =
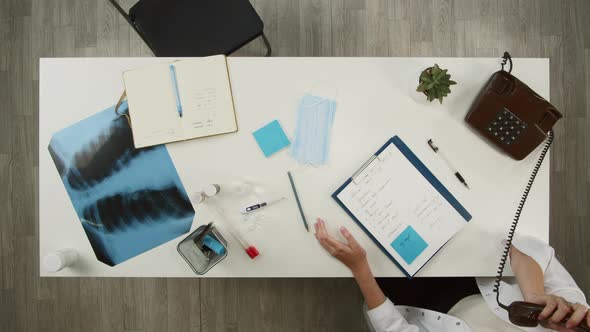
x=448, y=162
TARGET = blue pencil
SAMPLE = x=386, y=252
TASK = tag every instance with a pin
x=298, y=202
x=175, y=87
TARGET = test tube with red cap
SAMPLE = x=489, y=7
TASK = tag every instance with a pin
x=250, y=250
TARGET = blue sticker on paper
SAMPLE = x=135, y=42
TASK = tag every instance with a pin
x=271, y=138
x=409, y=244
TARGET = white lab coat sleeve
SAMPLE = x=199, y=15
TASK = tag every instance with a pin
x=386, y=318
x=556, y=278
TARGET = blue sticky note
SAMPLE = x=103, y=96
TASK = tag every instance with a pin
x=271, y=138
x=409, y=244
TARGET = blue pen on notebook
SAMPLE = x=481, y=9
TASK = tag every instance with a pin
x=175, y=87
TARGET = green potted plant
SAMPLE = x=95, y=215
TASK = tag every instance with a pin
x=435, y=83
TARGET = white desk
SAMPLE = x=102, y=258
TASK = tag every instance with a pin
x=374, y=103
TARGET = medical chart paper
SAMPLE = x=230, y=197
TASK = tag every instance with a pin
x=402, y=206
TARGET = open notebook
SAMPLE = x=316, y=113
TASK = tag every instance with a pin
x=401, y=205
x=205, y=97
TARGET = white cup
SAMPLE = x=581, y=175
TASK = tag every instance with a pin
x=60, y=259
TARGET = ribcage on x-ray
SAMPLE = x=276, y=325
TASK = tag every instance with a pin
x=111, y=151
x=113, y=204
x=118, y=211
x=128, y=200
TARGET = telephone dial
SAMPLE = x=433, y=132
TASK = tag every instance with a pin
x=515, y=119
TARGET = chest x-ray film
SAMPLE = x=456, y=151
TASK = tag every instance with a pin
x=315, y=117
x=128, y=200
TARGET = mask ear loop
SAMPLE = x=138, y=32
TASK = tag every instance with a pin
x=319, y=102
x=327, y=93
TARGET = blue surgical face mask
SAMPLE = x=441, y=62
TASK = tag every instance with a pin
x=315, y=117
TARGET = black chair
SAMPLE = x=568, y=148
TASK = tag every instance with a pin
x=178, y=28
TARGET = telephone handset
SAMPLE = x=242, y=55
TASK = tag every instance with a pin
x=517, y=120
x=526, y=314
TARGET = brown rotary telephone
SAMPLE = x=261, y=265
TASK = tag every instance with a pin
x=511, y=115
x=515, y=119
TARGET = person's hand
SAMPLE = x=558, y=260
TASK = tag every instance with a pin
x=580, y=314
x=556, y=309
x=350, y=254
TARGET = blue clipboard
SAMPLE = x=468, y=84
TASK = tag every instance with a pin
x=420, y=167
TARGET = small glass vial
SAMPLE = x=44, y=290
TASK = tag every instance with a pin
x=199, y=197
x=211, y=190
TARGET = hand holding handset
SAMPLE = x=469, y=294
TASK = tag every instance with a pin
x=526, y=314
x=511, y=116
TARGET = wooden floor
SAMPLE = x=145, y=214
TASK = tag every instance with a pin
x=30, y=29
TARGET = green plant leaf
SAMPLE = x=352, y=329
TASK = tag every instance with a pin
x=421, y=87
x=440, y=99
x=431, y=95
x=452, y=82
x=439, y=75
x=430, y=85
x=426, y=78
x=436, y=70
